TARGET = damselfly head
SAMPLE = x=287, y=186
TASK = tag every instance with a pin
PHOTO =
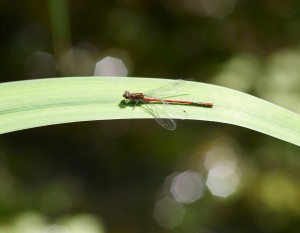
x=126, y=95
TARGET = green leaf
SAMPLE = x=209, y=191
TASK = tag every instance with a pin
x=34, y=103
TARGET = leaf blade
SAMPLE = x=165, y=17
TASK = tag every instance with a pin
x=34, y=103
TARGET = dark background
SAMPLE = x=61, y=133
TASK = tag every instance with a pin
x=112, y=176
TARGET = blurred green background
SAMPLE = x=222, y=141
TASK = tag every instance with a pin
x=134, y=176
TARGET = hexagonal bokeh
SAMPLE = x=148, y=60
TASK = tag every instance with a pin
x=110, y=66
x=168, y=212
x=187, y=187
x=223, y=180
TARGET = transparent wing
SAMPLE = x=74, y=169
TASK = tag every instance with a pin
x=166, y=90
x=160, y=115
x=175, y=111
x=164, y=113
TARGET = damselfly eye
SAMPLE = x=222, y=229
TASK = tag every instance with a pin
x=125, y=95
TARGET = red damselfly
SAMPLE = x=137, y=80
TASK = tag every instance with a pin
x=164, y=113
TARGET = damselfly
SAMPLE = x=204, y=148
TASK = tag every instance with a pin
x=164, y=114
